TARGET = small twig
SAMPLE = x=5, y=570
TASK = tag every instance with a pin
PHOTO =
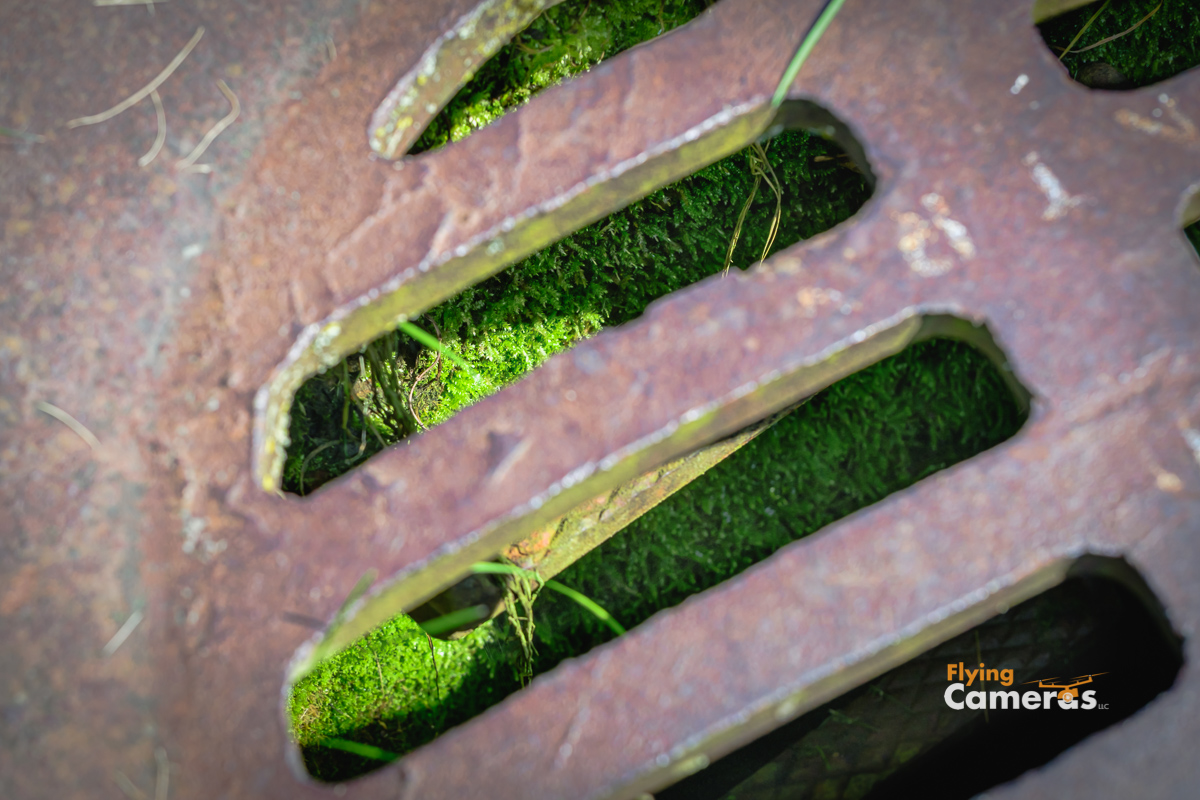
x=163, y=780
x=309, y=457
x=437, y=680
x=1119, y=35
x=145, y=160
x=70, y=422
x=142, y=93
x=127, y=786
x=773, y=181
x=29, y=137
x=127, y=2
x=437, y=362
x=214, y=131
x=123, y=632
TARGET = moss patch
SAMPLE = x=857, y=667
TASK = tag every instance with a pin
x=869, y=435
x=605, y=274
x=563, y=41
x=1165, y=45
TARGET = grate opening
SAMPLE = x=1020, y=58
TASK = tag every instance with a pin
x=934, y=404
x=897, y=737
x=561, y=42
x=1128, y=45
x=1191, y=222
x=602, y=275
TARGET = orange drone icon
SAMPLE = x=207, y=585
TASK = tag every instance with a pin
x=1068, y=693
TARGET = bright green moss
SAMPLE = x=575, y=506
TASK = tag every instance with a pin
x=565, y=40
x=853, y=444
x=603, y=275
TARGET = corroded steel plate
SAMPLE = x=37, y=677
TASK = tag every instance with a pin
x=146, y=582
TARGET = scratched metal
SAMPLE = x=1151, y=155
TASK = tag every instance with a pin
x=154, y=305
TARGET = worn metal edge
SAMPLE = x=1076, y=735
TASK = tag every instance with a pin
x=437, y=278
x=791, y=703
x=779, y=389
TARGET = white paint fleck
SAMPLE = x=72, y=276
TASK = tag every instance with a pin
x=917, y=234
x=1020, y=83
x=191, y=251
x=1061, y=201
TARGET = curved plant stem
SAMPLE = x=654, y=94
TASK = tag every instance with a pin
x=1083, y=30
x=588, y=603
x=1114, y=37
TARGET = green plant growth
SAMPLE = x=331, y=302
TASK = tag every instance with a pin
x=1147, y=41
x=871, y=434
x=565, y=40
x=1163, y=45
x=605, y=274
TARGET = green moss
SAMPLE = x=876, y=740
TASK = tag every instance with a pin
x=853, y=444
x=565, y=40
x=603, y=275
x=1165, y=45
x=869, y=435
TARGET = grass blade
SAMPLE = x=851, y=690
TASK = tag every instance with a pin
x=492, y=568
x=359, y=749
x=832, y=7
x=448, y=622
x=589, y=604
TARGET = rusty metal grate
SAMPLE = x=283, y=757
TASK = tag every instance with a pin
x=144, y=301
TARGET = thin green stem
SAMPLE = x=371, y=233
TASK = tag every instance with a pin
x=359, y=749
x=1083, y=30
x=448, y=622
x=589, y=604
x=432, y=343
x=492, y=568
x=806, y=46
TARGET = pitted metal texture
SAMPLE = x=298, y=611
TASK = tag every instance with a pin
x=146, y=584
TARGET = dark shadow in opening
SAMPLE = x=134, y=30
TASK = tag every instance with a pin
x=896, y=737
x=1191, y=222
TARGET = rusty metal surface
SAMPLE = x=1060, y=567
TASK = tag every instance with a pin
x=154, y=305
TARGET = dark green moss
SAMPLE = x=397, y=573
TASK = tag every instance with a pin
x=1165, y=45
x=851, y=445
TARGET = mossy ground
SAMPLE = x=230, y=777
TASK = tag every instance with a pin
x=851, y=445
x=869, y=435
